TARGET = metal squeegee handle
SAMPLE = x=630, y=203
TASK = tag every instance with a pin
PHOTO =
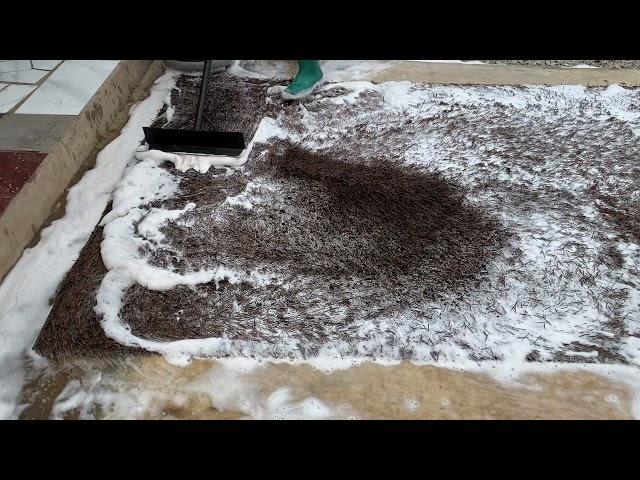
x=203, y=92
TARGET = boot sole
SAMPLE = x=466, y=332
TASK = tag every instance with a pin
x=304, y=93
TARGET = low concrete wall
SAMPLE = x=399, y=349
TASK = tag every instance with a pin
x=32, y=206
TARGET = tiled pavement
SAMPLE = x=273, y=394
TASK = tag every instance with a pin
x=19, y=78
x=38, y=101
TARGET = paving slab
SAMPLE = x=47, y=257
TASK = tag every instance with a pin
x=11, y=95
x=69, y=88
x=14, y=65
x=45, y=64
x=31, y=76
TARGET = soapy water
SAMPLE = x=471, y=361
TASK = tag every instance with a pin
x=151, y=388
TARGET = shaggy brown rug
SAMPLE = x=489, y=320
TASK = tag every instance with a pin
x=396, y=222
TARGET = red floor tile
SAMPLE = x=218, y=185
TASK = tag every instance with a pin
x=15, y=170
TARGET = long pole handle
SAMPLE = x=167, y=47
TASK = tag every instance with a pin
x=203, y=92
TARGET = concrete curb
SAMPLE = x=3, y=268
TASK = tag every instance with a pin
x=32, y=206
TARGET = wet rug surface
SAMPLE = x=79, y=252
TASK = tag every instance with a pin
x=393, y=221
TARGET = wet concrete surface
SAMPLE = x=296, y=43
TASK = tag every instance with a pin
x=150, y=388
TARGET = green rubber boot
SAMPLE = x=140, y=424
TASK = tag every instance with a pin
x=308, y=77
